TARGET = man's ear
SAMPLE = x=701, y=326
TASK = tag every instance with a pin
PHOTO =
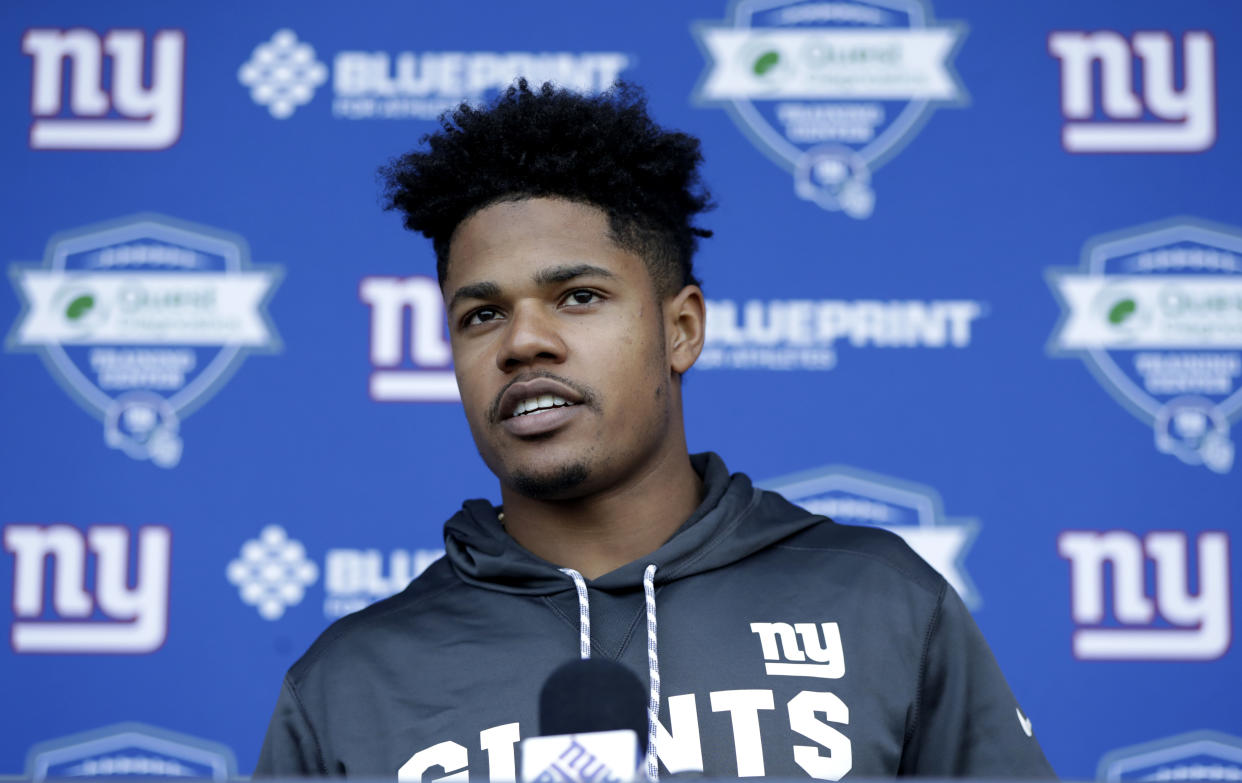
x=685, y=322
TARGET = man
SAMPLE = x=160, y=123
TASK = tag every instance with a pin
x=775, y=642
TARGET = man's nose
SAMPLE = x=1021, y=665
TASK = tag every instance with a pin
x=532, y=336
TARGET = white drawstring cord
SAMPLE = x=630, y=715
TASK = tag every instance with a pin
x=653, y=660
x=584, y=613
x=653, y=673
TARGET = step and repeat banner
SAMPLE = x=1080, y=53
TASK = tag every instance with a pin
x=976, y=278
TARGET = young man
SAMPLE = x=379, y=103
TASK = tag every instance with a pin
x=775, y=642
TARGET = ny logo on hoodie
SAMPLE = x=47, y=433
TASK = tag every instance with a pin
x=785, y=654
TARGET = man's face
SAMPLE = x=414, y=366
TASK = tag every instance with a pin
x=559, y=345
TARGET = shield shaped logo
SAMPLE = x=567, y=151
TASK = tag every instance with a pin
x=830, y=91
x=142, y=320
x=1155, y=312
x=1196, y=755
x=912, y=511
x=130, y=750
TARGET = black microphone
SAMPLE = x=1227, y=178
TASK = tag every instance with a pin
x=595, y=694
x=592, y=725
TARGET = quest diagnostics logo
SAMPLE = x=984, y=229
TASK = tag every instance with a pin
x=1197, y=755
x=142, y=320
x=1155, y=312
x=283, y=73
x=912, y=511
x=130, y=750
x=831, y=91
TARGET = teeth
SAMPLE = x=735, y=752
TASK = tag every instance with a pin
x=542, y=402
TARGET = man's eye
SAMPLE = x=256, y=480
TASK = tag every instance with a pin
x=581, y=296
x=481, y=316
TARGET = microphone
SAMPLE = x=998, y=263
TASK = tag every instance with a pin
x=593, y=725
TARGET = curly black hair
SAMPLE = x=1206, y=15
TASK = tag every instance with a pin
x=603, y=150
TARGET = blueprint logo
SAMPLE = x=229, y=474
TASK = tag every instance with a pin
x=130, y=750
x=804, y=334
x=1158, y=117
x=283, y=74
x=912, y=511
x=142, y=320
x=801, y=649
x=108, y=616
x=830, y=91
x=272, y=573
x=1197, y=755
x=1155, y=312
x=356, y=578
x=411, y=360
x=136, y=110
x=1166, y=622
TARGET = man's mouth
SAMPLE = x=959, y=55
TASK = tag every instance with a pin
x=535, y=398
x=533, y=406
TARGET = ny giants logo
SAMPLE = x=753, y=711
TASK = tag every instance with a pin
x=1160, y=119
x=127, y=115
x=1177, y=625
x=418, y=369
x=115, y=618
x=783, y=655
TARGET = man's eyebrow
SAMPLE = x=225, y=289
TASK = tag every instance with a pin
x=485, y=289
x=563, y=274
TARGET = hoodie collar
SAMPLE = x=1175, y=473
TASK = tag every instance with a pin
x=734, y=520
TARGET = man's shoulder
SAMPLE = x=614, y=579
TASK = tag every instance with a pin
x=382, y=625
x=866, y=548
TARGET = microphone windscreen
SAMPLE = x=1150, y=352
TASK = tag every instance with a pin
x=593, y=695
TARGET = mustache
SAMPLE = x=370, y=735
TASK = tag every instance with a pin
x=589, y=396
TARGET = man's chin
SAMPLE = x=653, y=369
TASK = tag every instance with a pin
x=550, y=484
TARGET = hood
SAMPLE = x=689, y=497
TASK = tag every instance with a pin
x=734, y=520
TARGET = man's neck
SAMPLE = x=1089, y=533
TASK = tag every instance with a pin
x=601, y=532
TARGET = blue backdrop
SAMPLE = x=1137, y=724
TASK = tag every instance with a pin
x=977, y=277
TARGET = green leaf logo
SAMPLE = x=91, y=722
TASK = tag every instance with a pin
x=1121, y=311
x=79, y=307
x=766, y=62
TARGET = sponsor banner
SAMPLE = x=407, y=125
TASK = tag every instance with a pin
x=130, y=750
x=119, y=98
x=830, y=91
x=1196, y=755
x=283, y=74
x=1153, y=613
x=1166, y=311
x=93, y=607
x=804, y=334
x=1155, y=312
x=913, y=511
x=142, y=319
x=1171, y=109
x=273, y=572
x=411, y=360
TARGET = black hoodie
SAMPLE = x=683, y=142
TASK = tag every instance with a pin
x=787, y=645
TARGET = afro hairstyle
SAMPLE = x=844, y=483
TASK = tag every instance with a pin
x=603, y=150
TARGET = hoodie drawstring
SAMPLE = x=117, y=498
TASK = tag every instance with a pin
x=653, y=673
x=584, y=613
x=653, y=658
